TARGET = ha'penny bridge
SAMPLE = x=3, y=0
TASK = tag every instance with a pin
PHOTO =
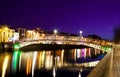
x=108, y=67
x=66, y=40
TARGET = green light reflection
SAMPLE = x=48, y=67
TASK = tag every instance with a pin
x=16, y=56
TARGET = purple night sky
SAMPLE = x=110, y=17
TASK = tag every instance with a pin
x=92, y=16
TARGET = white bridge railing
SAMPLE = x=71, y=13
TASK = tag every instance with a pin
x=95, y=43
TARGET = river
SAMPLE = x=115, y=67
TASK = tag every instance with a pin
x=50, y=63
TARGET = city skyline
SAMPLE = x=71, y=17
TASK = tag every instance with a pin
x=92, y=17
x=54, y=31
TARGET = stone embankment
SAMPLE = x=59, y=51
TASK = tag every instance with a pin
x=109, y=66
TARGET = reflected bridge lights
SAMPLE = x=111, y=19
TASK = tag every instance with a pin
x=54, y=71
x=79, y=75
x=5, y=65
x=55, y=66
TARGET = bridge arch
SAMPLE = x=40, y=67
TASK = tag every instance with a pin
x=105, y=48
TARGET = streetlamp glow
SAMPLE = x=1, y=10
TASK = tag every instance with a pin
x=81, y=32
x=55, y=34
x=55, y=31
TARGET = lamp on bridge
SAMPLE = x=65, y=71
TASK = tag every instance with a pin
x=55, y=31
x=81, y=33
x=81, y=36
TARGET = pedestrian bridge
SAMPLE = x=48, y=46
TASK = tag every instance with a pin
x=68, y=40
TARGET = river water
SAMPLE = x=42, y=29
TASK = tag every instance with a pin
x=50, y=63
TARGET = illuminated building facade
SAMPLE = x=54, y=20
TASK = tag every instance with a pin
x=35, y=34
x=25, y=34
x=32, y=35
x=6, y=33
x=41, y=32
x=15, y=38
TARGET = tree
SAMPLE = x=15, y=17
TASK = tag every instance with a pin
x=116, y=36
x=94, y=36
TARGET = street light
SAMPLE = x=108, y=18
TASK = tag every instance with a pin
x=81, y=32
x=81, y=36
x=55, y=31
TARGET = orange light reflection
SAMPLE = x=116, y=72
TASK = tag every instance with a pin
x=5, y=65
x=29, y=64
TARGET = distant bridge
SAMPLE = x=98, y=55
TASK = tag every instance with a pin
x=69, y=40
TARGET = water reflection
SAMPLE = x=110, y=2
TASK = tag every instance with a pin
x=54, y=71
x=5, y=65
x=15, y=59
x=34, y=62
x=28, y=67
x=29, y=62
x=79, y=74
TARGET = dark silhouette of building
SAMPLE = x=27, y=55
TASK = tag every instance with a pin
x=22, y=33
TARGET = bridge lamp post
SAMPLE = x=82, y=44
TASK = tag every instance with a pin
x=81, y=36
x=55, y=31
x=81, y=33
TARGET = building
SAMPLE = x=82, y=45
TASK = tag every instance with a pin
x=15, y=38
x=22, y=33
x=6, y=33
x=35, y=34
x=40, y=31
x=31, y=35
